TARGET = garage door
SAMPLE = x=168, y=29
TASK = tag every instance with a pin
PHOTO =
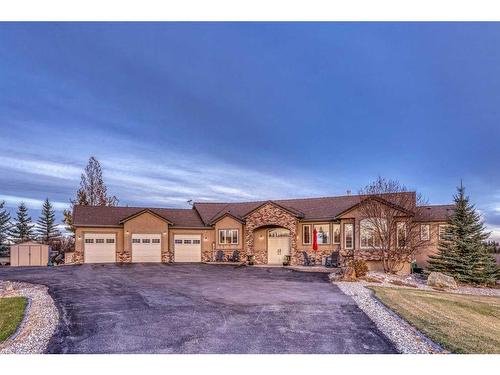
x=146, y=247
x=100, y=248
x=187, y=248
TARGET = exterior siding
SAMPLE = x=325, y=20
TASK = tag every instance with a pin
x=145, y=223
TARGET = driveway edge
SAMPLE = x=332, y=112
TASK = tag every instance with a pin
x=39, y=323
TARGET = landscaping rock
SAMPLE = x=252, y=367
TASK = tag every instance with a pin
x=349, y=274
x=439, y=280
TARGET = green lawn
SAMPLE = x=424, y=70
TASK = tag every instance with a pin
x=11, y=315
x=460, y=323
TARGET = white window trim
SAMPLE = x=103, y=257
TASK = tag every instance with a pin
x=231, y=236
x=333, y=234
x=310, y=234
x=398, y=224
x=442, y=227
x=329, y=233
x=345, y=236
x=428, y=232
x=361, y=246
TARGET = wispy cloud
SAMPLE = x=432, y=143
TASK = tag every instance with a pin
x=31, y=203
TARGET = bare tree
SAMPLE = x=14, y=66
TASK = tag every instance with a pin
x=92, y=191
x=388, y=225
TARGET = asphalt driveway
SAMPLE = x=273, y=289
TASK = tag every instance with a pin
x=198, y=308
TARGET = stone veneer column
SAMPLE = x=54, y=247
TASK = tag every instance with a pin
x=267, y=215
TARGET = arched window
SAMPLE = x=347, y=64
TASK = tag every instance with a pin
x=371, y=231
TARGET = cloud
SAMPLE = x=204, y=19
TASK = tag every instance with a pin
x=31, y=203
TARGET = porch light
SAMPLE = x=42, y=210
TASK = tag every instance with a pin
x=79, y=238
x=164, y=233
x=261, y=237
x=127, y=233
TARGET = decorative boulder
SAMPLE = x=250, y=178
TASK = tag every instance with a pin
x=439, y=280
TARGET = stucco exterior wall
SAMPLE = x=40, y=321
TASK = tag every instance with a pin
x=145, y=223
x=207, y=242
x=80, y=236
x=422, y=256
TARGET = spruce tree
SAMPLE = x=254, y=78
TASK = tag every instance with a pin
x=46, y=229
x=462, y=252
x=4, y=229
x=92, y=191
x=22, y=230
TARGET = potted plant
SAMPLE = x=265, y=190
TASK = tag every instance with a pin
x=251, y=259
x=286, y=260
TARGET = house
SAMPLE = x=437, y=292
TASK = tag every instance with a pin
x=269, y=230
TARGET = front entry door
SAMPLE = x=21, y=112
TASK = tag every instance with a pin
x=278, y=245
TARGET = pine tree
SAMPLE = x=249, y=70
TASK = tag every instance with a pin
x=92, y=192
x=46, y=229
x=4, y=229
x=462, y=252
x=22, y=230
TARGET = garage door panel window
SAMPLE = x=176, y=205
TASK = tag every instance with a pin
x=178, y=242
x=155, y=240
x=136, y=240
x=146, y=240
x=99, y=240
x=110, y=240
x=89, y=240
x=228, y=236
x=196, y=242
x=187, y=242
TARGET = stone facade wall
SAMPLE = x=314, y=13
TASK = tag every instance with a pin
x=270, y=215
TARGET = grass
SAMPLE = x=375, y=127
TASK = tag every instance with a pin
x=460, y=323
x=11, y=315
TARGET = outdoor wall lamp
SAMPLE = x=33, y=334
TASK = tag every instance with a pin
x=127, y=233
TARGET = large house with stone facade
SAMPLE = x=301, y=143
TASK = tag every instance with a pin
x=268, y=230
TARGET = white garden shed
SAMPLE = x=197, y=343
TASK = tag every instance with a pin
x=29, y=253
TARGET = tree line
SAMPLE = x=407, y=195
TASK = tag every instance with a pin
x=21, y=228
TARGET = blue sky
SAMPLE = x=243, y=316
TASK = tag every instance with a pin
x=227, y=111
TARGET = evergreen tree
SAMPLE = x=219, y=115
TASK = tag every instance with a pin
x=4, y=229
x=92, y=191
x=22, y=230
x=46, y=229
x=462, y=252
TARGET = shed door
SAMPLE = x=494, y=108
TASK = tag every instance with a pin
x=187, y=248
x=23, y=255
x=146, y=248
x=100, y=247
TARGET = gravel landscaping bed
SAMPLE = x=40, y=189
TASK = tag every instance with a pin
x=39, y=323
x=406, y=338
x=419, y=282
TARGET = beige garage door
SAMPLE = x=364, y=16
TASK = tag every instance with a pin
x=100, y=248
x=187, y=248
x=146, y=248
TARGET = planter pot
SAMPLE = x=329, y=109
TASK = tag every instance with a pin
x=251, y=260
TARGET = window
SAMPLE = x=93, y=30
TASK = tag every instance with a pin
x=178, y=242
x=155, y=240
x=228, y=236
x=442, y=232
x=306, y=234
x=336, y=233
x=187, y=242
x=146, y=240
x=401, y=234
x=89, y=240
x=322, y=233
x=348, y=236
x=110, y=240
x=136, y=240
x=369, y=236
x=196, y=242
x=425, y=232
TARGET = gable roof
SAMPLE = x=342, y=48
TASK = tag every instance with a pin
x=205, y=214
x=113, y=216
x=145, y=210
x=439, y=212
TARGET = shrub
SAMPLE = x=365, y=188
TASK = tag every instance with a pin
x=360, y=267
